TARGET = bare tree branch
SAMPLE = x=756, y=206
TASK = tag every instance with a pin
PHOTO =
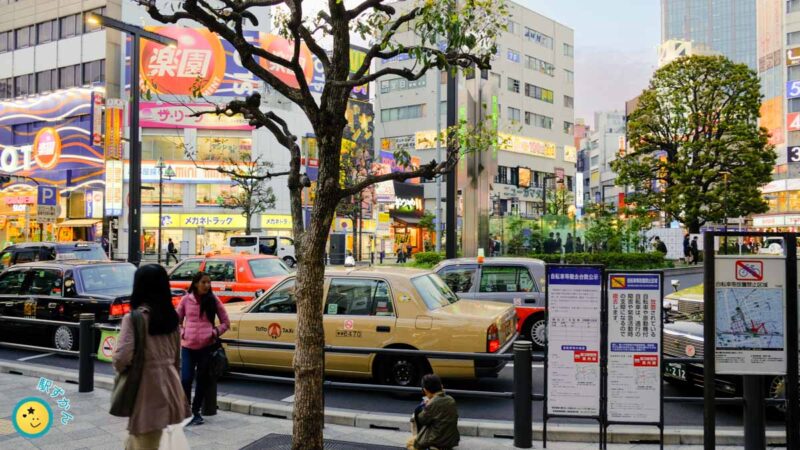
x=367, y=5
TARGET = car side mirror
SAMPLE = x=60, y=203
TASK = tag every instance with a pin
x=69, y=288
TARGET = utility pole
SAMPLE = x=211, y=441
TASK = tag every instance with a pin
x=452, y=177
x=438, y=207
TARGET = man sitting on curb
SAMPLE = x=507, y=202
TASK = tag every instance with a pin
x=435, y=420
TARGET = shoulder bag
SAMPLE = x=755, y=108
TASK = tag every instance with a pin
x=218, y=360
x=126, y=384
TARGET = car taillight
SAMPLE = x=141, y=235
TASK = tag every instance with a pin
x=176, y=301
x=492, y=339
x=119, y=309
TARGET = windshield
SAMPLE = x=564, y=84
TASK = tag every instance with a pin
x=268, y=267
x=434, y=291
x=108, y=279
x=244, y=241
x=88, y=252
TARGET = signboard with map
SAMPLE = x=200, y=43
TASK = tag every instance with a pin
x=750, y=319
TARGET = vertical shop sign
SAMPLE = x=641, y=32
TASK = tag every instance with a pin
x=634, y=341
x=113, y=192
x=750, y=320
x=113, y=136
x=574, y=301
x=97, y=118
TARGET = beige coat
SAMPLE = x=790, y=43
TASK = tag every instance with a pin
x=160, y=400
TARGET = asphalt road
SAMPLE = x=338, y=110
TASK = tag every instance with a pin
x=473, y=408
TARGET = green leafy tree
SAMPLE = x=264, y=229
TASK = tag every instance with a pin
x=413, y=30
x=558, y=201
x=694, y=129
x=517, y=243
x=634, y=221
x=602, y=229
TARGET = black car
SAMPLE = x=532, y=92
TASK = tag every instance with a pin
x=62, y=290
x=49, y=251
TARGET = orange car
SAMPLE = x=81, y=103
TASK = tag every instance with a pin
x=234, y=278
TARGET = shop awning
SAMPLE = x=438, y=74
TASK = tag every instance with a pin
x=78, y=223
x=408, y=220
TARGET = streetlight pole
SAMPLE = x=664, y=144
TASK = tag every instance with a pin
x=135, y=157
x=725, y=174
x=160, y=167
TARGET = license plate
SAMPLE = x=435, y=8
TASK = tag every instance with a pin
x=677, y=371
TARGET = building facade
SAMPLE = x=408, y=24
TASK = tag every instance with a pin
x=779, y=71
x=55, y=71
x=724, y=26
x=673, y=49
x=605, y=143
x=530, y=90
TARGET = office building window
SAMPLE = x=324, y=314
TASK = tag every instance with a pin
x=569, y=183
x=502, y=175
x=539, y=38
x=47, y=80
x=569, y=50
x=94, y=72
x=171, y=148
x=47, y=31
x=70, y=25
x=539, y=93
x=70, y=76
x=539, y=65
x=570, y=76
x=89, y=27
x=26, y=36
x=25, y=84
x=569, y=102
x=216, y=194
x=6, y=41
x=401, y=84
x=538, y=120
x=402, y=113
x=513, y=27
x=7, y=88
x=513, y=85
x=568, y=128
x=794, y=73
x=173, y=194
x=513, y=56
x=793, y=38
x=496, y=79
x=513, y=114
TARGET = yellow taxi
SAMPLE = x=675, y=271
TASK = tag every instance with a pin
x=380, y=308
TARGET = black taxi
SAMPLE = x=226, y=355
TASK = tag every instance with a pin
x=62, y=291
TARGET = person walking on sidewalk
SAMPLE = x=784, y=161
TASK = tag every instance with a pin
x=199, y=338
x=160, y=401
x=435, y=419
x=172, y=252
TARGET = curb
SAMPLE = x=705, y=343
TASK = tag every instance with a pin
x=618, y=434
x=677, y=271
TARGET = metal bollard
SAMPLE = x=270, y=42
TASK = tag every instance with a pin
x=85, y=359
x=523, y=388
x=754, y=419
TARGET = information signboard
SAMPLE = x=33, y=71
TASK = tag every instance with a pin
x=750, y=319
x=573, y=351
x=634, y=347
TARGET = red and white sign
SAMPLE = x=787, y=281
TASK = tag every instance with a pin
x=162, y=115
x=274, y=330
x=109, y=343
x=749, y=270
x=47, y=147
x=793, y=121
x=20, y=200
x=645, y=360
x=348, y=324
x=690, y=350
x=586, y=356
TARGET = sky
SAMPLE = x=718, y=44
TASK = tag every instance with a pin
x=616, y=45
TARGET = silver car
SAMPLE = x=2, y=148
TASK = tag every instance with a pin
x=518, y=281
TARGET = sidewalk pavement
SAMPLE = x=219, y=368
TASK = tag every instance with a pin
x=89, y=426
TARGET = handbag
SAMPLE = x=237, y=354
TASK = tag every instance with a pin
x=173, y=438
x=126, y=384
x=218, y=363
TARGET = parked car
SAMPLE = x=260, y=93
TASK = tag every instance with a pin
x=383, y=308
x=62, y=291
x=280, y=246
x=771, y=246
x=683, y=338
x=234, y=278
x=48, y=251
x=517, y=281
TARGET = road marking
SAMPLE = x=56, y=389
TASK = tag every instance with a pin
x=534, y=365
x=289, y=399
x=28, y=358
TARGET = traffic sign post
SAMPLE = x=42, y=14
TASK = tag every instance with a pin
x=46, y=207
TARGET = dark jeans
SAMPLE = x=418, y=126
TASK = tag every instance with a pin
x=173, y=256
x=195, y=362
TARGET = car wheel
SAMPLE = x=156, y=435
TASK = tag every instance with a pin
x=65, y=338
x=403, y=371
x=289, y=261
x=536, y=332
x=776, y=389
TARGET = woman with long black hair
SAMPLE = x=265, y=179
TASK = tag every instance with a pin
x=199, y=338
x=160, y=401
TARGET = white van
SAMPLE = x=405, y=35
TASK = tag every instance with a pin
x=280, y=246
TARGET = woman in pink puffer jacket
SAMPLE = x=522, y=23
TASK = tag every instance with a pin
x=199, y=338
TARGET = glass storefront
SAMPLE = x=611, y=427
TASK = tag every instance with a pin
x=224, y=148
x=150, y=240
x=215, y=194
x=214, y=240
x=173, y=194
